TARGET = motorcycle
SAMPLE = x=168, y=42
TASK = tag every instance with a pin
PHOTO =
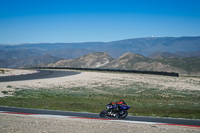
x=114, y=111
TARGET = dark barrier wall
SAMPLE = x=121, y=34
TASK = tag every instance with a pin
x=114, y=70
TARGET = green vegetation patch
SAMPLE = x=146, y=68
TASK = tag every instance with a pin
x=143, y=101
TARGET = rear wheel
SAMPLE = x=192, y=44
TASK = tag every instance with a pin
x=103, y=113
x=122, y=114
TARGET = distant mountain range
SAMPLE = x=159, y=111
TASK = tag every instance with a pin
x=130, y=61
x=28, y=61
x=152, y=47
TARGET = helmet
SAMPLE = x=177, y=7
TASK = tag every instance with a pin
x=121, y=100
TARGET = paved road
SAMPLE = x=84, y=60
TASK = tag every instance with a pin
x=94, y=115
x=40, y=75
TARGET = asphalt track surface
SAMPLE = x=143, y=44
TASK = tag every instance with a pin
x=164, y=121
x=42, y=74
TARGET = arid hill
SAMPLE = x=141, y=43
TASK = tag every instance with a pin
x=93, y=60
x=130, y=61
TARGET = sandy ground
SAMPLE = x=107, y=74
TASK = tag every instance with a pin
x=98, y=79
x=11, y=72
x=10, y=123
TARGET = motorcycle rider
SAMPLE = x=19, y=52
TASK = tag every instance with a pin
x=119, y=104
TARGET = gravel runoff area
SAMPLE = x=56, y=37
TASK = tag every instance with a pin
x=12, y=123
x=93, y=80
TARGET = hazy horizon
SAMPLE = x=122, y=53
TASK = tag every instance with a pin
x=94, y=41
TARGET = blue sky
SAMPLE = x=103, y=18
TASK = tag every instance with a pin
x=35, y=21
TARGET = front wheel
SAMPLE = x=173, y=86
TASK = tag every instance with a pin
x=122, y=114
x=103, y=113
